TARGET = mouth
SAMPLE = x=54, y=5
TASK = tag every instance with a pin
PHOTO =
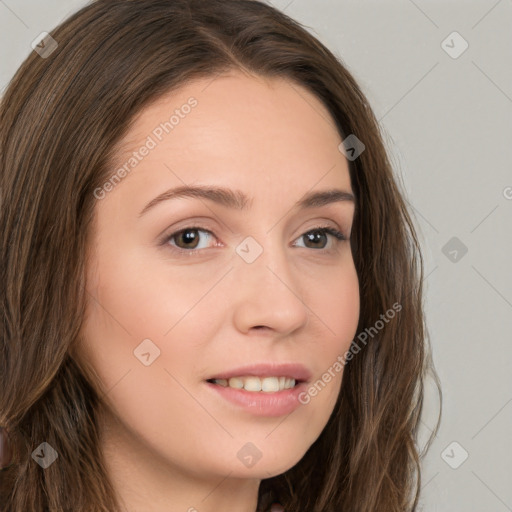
x=267, y=389
x=251, y=383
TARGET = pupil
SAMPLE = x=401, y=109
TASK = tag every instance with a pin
x=315, y=236
x=190, y=235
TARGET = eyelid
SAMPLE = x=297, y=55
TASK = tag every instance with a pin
x=166, y=237
x=337, y=234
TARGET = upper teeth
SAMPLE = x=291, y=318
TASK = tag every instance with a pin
x=267, y=384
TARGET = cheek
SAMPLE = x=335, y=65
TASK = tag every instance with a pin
x=140, y=300
x=152, y=402
x=136, y=308
x=338, y=307
x=340, y=312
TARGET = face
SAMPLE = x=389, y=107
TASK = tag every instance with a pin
x=194, y=287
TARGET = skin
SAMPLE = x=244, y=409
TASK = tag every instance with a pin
x=170, y=443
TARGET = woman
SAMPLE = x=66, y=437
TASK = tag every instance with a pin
x=212, y=289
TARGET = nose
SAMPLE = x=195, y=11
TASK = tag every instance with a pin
x=268, y=294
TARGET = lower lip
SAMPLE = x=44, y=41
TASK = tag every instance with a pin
x=279, y=403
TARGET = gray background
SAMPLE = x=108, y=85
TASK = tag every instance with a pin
x=448, y=125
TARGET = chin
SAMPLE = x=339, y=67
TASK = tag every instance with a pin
x=273, y=465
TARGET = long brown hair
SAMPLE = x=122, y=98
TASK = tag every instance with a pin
x=60, y=120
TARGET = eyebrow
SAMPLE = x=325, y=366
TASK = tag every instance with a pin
x=236, y=199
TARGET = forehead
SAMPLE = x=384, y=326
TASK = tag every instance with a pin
x=239, y=129
x=245, y=101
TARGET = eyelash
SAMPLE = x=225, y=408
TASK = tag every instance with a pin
x=338, y=236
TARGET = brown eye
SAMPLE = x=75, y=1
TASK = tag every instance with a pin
x=188, y=238
x=318, y=238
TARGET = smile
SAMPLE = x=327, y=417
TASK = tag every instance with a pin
x=257, y=384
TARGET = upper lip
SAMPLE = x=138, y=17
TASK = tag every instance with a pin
x=292, y=370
